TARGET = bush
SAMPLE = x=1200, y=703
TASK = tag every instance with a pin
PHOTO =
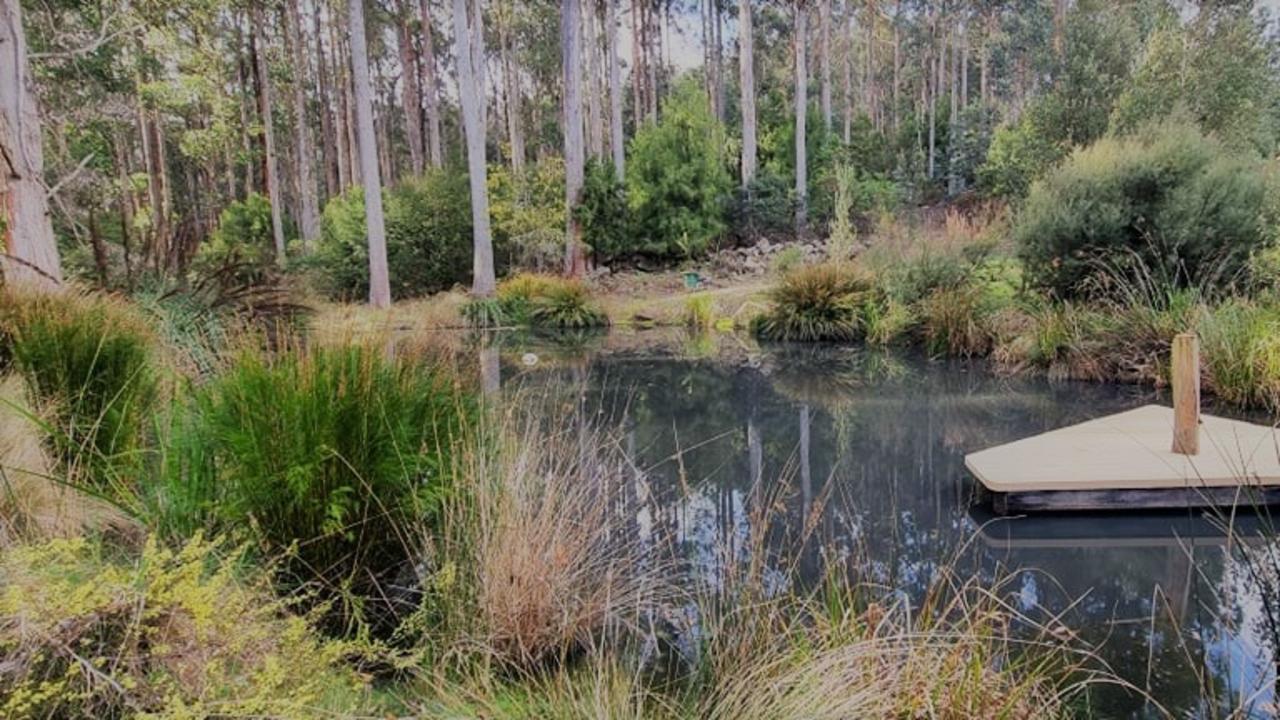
x=1173, y=204
x=528, y=213
x=1242, y=354
x=677, y=178
x=168, y=635
x=334, y=452
x=603, y=212
x=700, y=312
x=242, y=241
x=816, y=303
x=86, y=360
x=766, y=207
x=429, y=242
x=566, y=304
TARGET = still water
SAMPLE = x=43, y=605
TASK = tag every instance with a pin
x=871, y=449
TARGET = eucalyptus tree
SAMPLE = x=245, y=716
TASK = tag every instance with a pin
x=469, y=45
x=265, y=105
x=375, y=222
x=801, y=109
x=574, y=259
x=31, y=252
x=747, y=86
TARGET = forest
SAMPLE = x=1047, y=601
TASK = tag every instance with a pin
x=551, y=359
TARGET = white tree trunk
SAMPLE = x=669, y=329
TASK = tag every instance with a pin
x=617, y=140
x=595, y=107
x=802, y=103
x=410, y=97
x=269, y=135
x=309, y=205
x=471, y=97
x=573, y=151
x=747, y=81
x=431, y=99
x=825, y=62
x=31, y=251
x=375, y=223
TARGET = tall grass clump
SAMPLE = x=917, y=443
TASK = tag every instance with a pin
x=176, y=634
x=816, y=303
x=566, y=305
x=88, y=364
x=552, y=567
x=1242, y=353
x=700, y=312
x=330, y=454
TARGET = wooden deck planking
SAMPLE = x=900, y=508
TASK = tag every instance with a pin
x=1131, y=451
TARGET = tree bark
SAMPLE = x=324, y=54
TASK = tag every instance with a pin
x=430, y=91
x=801, y=107
x=308, y=204
x=617, y=139
x=595, y=109
x=824, y=61
x=574, y=263
x=375, y=223
x=511, y=90
x=329, y=141
x=31, y=251
x=272, y=173
x=746, y=79
x=410, y=97
x=471, y=97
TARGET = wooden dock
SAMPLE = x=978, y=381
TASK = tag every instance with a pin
x=1126, y=461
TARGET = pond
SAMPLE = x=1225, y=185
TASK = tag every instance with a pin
x=872, y=447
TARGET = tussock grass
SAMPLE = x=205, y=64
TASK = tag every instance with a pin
x=330, y=454
x=816, y=303
x=89, y=365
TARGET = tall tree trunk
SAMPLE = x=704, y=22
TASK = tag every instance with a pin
x=617, y=138
x=595, y=107
x=718, y=59
x=897, y=63
x=329, y=140
x=272, y=173
x=430, y=91
x=30, y=249
x=511, y=90
x=471, y=97
x=375, y=223
x=746, y=79
x=410, y=97
x=575, y=261
x=637, y=62
x=802, y=103
x=308, y=204
x=824, y=61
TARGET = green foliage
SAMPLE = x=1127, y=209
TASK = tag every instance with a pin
x=1173, y=204
x=333, y=454
x=566, y=305
x=816, y=303
x=1019, y=154
x=700, y=312
x=517, y=294
x=1242, y=353
x=842, y=235
x=170, y=634
x=242, y=240
x=530, y=206
x=677, y=178
x=603, y=212
x=1216, y=70
x=786, y=260
x=429, y=241
x=87, y=362
x=483, y=312
x=766, y=207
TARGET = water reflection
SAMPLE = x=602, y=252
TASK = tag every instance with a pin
x=871, y=450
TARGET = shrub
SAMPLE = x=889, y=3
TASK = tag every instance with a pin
x=333, y=451
x=677, y=178
x=566, y=304
x=603, y=212
x=1173, y=203
x=243, y=240
x=172, y=634
x=765, y=207
x=528, y=214
x=87, y=361
x=787, y=259
x=816, y=303
x=954, y=321
x=429, y=241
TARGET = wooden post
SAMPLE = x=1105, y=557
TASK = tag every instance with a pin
x=1186, y=394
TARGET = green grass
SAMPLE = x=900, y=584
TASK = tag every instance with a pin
x=330, y=455
x=89, y=364
x=816, y=303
